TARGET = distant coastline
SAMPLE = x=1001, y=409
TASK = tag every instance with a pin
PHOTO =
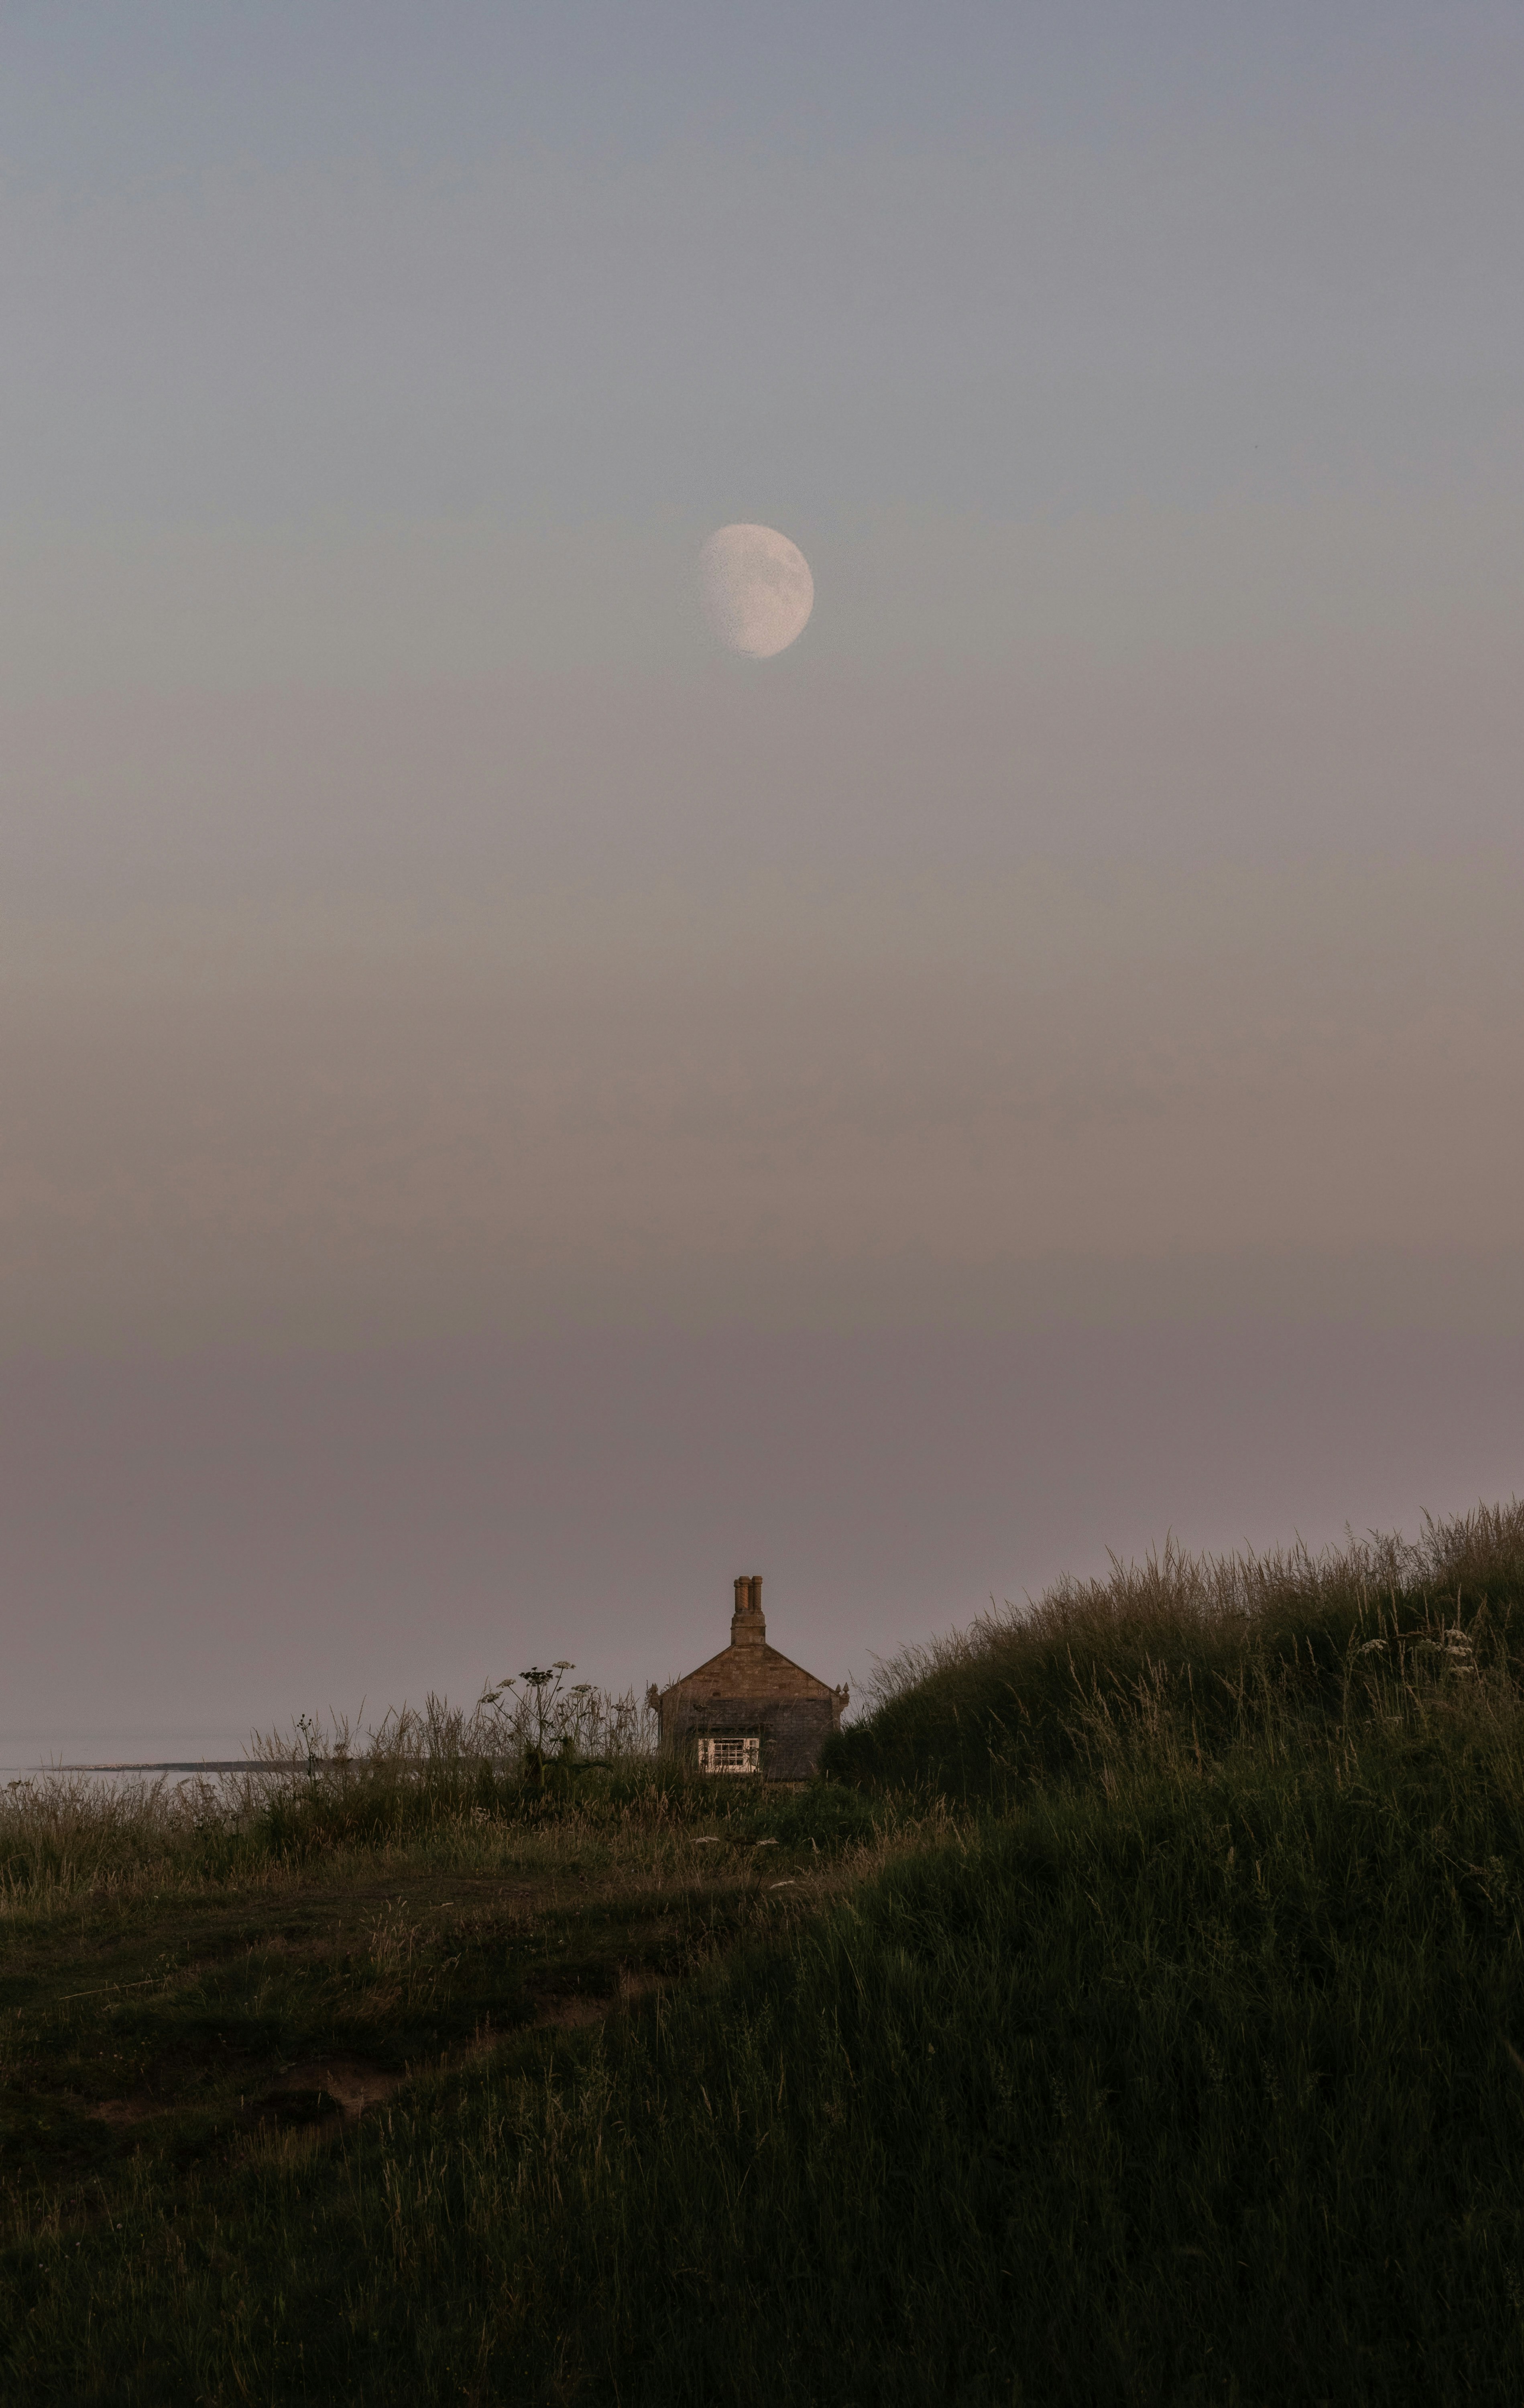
x=32, y=1754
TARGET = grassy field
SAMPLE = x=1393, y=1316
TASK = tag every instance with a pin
x=1135, y=2015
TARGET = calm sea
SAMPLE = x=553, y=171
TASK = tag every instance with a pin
x=45, y=1751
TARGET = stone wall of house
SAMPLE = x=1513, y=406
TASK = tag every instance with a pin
x=792, y=1729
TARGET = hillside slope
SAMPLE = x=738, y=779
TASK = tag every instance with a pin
x=1189, y=2068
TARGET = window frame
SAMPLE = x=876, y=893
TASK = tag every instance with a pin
x=748, y=1759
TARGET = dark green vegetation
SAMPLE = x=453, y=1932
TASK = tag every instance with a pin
x=1223, y=1649
x=1183, y=2062
x=166, y=2026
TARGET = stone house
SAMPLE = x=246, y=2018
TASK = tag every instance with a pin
x=749, y=1708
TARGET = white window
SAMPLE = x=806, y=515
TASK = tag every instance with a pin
x=729, y=1755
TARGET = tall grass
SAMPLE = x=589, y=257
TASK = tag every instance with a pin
x=67, y=1839
x=1205, y=2086
x=325, y=1782
x=1219, y=1646
x=1178, y=2063
x=526, y=1748
x=537, y=1714
x=63, y=1834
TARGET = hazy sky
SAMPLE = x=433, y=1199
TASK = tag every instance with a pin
x=508, y=1117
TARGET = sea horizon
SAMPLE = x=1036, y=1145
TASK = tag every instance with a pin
x=24, y=1754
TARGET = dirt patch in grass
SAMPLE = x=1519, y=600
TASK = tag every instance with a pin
x=169, y=2029
x=565, y=2010
x=347, y=2082
x=119, y=2112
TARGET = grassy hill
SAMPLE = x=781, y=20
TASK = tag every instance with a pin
x=1221, y=1651
x=1135, y=2015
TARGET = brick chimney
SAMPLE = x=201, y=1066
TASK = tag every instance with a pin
x=747, y=1627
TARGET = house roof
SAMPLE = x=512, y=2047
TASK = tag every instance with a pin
x=750, y=1670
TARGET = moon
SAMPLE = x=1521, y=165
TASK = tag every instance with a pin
x=757, y=590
